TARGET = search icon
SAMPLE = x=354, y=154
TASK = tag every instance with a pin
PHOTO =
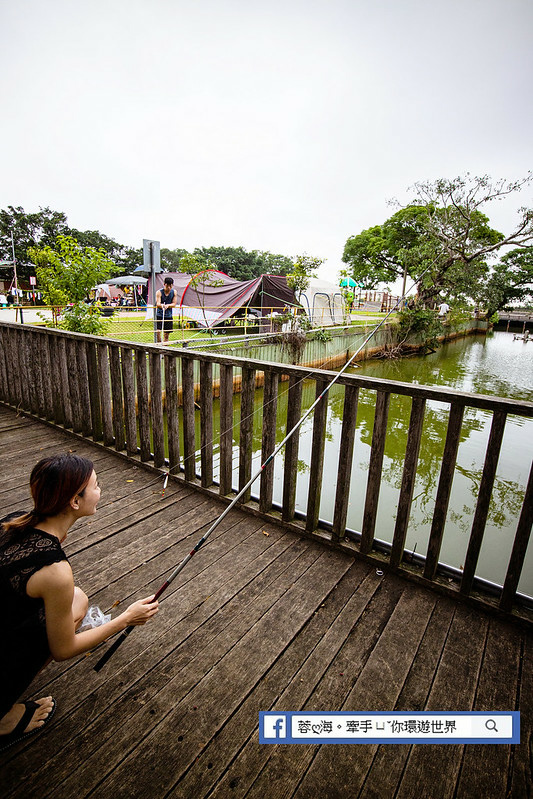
x=490, y=724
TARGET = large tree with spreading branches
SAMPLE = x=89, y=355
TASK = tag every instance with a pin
x=441, y=239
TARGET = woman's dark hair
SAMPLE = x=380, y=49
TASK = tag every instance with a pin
x=53, y=483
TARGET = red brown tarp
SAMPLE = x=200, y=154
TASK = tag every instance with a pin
x=210, y=297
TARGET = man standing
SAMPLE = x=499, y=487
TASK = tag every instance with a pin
x=165, y=301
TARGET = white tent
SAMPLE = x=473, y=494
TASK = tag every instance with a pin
x=324, y=304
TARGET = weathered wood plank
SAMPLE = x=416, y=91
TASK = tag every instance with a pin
x=94, y=390
x=443, y=492
x=47, y=377
x=414, y=438
x=389, y=762
x=521, y=776
x=117, y=397
x=483, y=501
x=142, y=406
x=105, y=394
x=226, y=429
x=340, y=766
x=344, y=472
x=130, y=412
x=374, y=471
x=171, y=398
x=286, y=768
x=206, y=423
x=38, y=375
x=227, y=685
x=73, y=384
x=497, y=690
x=156, y=409
x=85, y=399
x=518, y=554
x=189, y=444
x=246, y=430
x=268, y=440
x=317, y=457
x=24, y=367
x=290, y=472
x=61, y=353
x=4, y=355
x=454, y=686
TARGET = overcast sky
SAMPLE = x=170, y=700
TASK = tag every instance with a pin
x=282, y=125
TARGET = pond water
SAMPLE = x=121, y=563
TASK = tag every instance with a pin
x=494, y=365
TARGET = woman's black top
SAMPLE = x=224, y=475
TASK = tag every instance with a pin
x=25, y=644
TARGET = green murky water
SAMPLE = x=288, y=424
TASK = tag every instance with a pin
x=493, y=365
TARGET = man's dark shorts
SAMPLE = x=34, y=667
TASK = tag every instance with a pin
x=167, y=325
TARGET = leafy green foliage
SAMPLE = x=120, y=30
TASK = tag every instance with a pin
x=241, y=264
x=303, y=269
x=68, y=273
x=83, y=318
x=511, y=280
x=28, y=230
x=442, y=239
x=421, y=323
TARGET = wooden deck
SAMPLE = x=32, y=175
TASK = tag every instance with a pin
x=260, y=619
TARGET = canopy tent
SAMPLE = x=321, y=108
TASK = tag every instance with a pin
x=211, y=297
x=324, y=303
x=127, y=280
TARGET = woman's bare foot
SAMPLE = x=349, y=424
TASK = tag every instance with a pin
x=12, y=718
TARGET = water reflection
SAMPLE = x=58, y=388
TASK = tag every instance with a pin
x=492, y=366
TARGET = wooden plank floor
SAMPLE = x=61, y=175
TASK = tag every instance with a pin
x=260, y=619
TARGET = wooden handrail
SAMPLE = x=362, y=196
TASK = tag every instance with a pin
x=117, y=393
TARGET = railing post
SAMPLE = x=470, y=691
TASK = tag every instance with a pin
x=187, y=380
x=270, y=406
x=156, y=408
x=317, y=458
x=374, y=470
x=130, y=415
x=483, y=501
x=226, y=428
x=246, y=430
x=342, y=494
x=443, y=492
x=171, y=397
x=206, y=422
x=94, y=391
x=294, y=410
x=518, y=554
x=412, y=450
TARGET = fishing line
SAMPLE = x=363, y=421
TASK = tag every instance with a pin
x=122, y=637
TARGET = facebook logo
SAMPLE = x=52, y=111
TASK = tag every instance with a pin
x=274, y=726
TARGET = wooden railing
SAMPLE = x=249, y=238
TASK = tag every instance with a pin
x=127, y=396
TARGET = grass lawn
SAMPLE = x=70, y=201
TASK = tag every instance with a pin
x=141, y=331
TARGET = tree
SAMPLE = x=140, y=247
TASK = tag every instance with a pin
x=67, y=274
x=442, y=239
x=170, y=259
x=241, y=264
x=28, y=230
x=511, y=280
x=303, y=269
x=42, y=228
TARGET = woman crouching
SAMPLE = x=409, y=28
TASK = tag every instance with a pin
x=42, y=607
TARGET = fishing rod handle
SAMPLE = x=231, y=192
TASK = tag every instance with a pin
x=121, y=638
x=113, y=648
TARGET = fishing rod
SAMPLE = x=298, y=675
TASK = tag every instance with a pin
x=122, y=637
